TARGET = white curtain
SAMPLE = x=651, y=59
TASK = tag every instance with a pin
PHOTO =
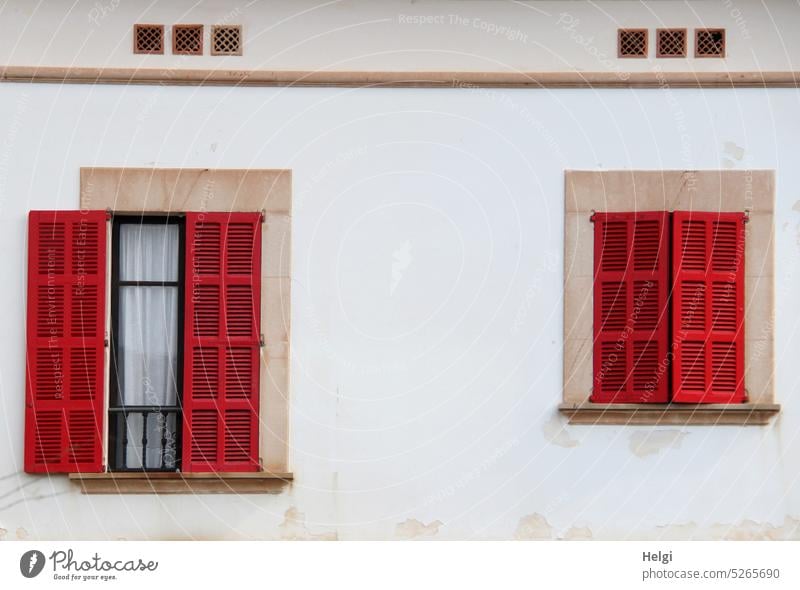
x=148, y=252
x=148, y=340
x=148, y=336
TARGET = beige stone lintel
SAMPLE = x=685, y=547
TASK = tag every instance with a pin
x=657, y=414
x=135, y=190
x=415, y=79
x=181, y=483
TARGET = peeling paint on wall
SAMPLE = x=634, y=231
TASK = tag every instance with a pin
x=293, y=528
x=533, y=527
x=733, y=150
x=746, y=530
x=578, y=534
x=413, y=529
x=555, y=431
x=645, y=443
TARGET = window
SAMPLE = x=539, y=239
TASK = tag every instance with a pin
x=639, y=356
x=146, y=309
x=664, y=376
x=185, y=336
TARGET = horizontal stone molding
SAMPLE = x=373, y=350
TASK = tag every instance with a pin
x=416, y=79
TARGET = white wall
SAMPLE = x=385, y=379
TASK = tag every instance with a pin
x=427, y=310
x=405, y=35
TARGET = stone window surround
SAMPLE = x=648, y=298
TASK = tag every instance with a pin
x=669, y=190
x=164, y=190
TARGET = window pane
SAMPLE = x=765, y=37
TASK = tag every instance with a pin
x=148, y=342
x=148, y=252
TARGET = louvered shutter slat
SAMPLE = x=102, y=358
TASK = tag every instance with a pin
x=222, y=333
x=630, y=307
x=65, y=342
x=708, y=313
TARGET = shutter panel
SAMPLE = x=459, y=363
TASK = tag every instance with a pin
x=65, y=343
x=222, y=336
x=708, y=308
x=631, y=270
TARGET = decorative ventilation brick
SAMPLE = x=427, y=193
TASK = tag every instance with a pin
x=187, y=39
x=671, y=42
x=148, y=38
x=709, y=43
x=226, y=40
x=632, y=42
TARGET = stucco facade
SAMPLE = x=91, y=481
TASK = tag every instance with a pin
x=425, y=367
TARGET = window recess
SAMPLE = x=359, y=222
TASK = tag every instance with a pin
x=146, y=344
x=638, y=356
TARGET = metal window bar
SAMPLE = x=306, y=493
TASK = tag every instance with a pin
x=167, y=431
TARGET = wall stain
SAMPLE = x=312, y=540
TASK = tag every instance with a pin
x=293, y=528
x=577, y=534
x=733, y=150
x=643, y=444
x=746, y=530
x=3, y=534
x=22, y=534
x=533, y=527
x=412, y=529
x=555, y=431
x=796, y=206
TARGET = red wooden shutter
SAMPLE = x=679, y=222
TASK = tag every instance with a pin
x=222, y=336
x=631, y=270
x=708, y=307
x=65, y=350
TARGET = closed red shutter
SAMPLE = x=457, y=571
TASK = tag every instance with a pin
x=708, y=307
x=222, y=336
x=631, y=270
x=65, y=343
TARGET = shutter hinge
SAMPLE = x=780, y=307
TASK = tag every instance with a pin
x=747, y=215
x=263, y=215
x=262, y=341
x=591, y=217
x=109, y=214
x=105, y=340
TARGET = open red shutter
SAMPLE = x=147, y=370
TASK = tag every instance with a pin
x=631, y=270
x=65, y=344
x=708, y=308
x=222, y=336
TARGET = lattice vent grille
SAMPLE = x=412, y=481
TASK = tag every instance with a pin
x=709, y=43
x=226, y=40
x=671, y=42
x=632, y=42
x=187, y=39
x=148, y=39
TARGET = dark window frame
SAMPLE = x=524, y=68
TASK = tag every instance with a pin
x=117, y=441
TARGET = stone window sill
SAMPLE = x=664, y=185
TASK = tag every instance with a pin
x=181, y=483
x=655, y=414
